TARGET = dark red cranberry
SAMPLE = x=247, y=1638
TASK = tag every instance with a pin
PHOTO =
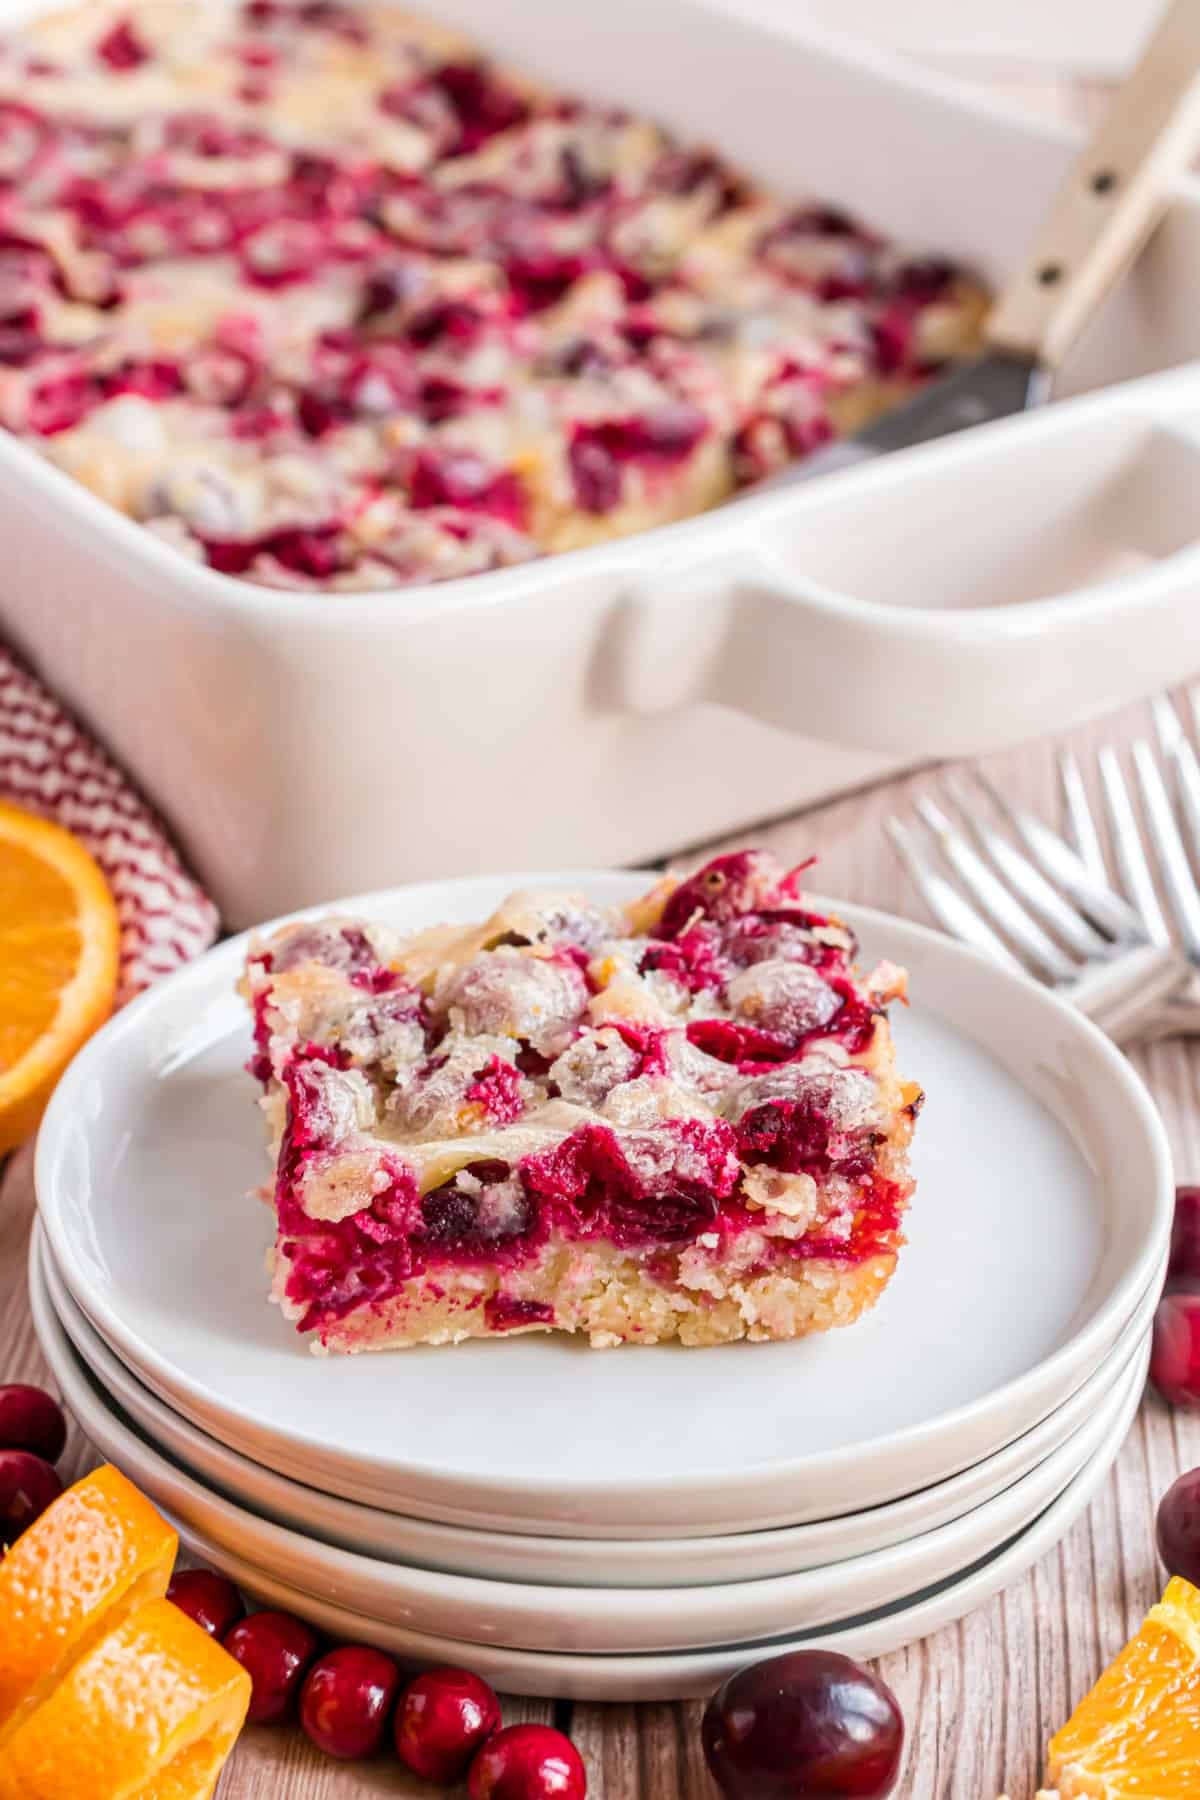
x=60, y=403
x=744, y=881
x=157, y=379
x=892, y=332
x=481, y=105
x=666, y=435
x=442, y=1719
x=595, y=475
x=460, y=478
x=275, y=1649
x=528, y=1762
x=346, y=1700
x=1178, y=1527
x=31, y=1420
x=389, y=286
x=1185, y=1235
x=28, y=1484
x=802, y=1726
x=505, y=1312
x=212, y=1601
x=925, y=279
x=1175, y=1352
x=122, y=48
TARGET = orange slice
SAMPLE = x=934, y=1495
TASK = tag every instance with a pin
x=97, y=1552
x=59, y=939
x=151, y=1712
x=1136, y=1736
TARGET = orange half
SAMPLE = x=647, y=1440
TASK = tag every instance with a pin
x=1136, y=1736
x=151, y=1712
x=96, y=1553
x=59, y=944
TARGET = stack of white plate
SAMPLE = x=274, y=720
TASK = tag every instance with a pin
x=630, y=1524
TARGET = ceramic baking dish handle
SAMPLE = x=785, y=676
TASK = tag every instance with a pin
x=954, y=598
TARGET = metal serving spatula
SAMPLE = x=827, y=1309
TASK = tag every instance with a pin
x=1115, y=193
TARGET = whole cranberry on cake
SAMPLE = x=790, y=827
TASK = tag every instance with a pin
x=328, y=299
x=678, y=1118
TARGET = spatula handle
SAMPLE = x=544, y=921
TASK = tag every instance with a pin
x=1114, y=195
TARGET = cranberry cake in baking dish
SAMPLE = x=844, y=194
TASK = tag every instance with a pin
x=674, y=1119
x=327, y=299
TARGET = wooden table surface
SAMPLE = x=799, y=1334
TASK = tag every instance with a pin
x=980, y=1697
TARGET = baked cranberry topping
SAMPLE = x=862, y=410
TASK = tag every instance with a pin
x=482, y=105
x=460, y=478
x=121, y=48
x=316, y=552
x=598, y=452
x=504, y=1312
x=742, y=882
x=731, y=1042
x=497, y=1089
x=649, y=1187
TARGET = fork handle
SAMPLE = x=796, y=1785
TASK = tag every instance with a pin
x=1115, y=192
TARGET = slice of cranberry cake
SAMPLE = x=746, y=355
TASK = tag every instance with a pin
x=674, y=1119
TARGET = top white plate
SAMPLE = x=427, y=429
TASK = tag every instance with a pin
x=1043, y=1209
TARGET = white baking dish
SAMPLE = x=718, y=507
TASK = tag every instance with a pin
x=614, y=704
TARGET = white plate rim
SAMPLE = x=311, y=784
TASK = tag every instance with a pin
x=1026, y=1391
x=686, y=1674
x=608, y=1615
x=170, y=1432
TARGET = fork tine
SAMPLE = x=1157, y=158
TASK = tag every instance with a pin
x=1173, y=863
x=1063, y=865
x=946, y=904
x=1081, y=826
x=1048, y=960
x=1039, y=896
x=1128, y=849
x=1177, y=747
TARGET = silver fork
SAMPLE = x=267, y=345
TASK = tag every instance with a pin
x=996, y=876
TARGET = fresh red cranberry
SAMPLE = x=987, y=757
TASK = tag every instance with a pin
x=528, y=1762
x=1184, y=1263
x=121, y=48
x=27, y=1486
x=275, y=1649
x=801, y=1726
x=209, y=1599
x=346, y=1700
x=442, y=1719
x=1175, y=1351
x=1178, y=1528
x=31, y=1420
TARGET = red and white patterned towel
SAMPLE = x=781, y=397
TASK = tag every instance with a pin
x=49, y=766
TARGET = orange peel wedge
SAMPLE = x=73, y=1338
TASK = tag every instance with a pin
x=94, y=1555
x=150, y=1712
x=1136, y=1735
